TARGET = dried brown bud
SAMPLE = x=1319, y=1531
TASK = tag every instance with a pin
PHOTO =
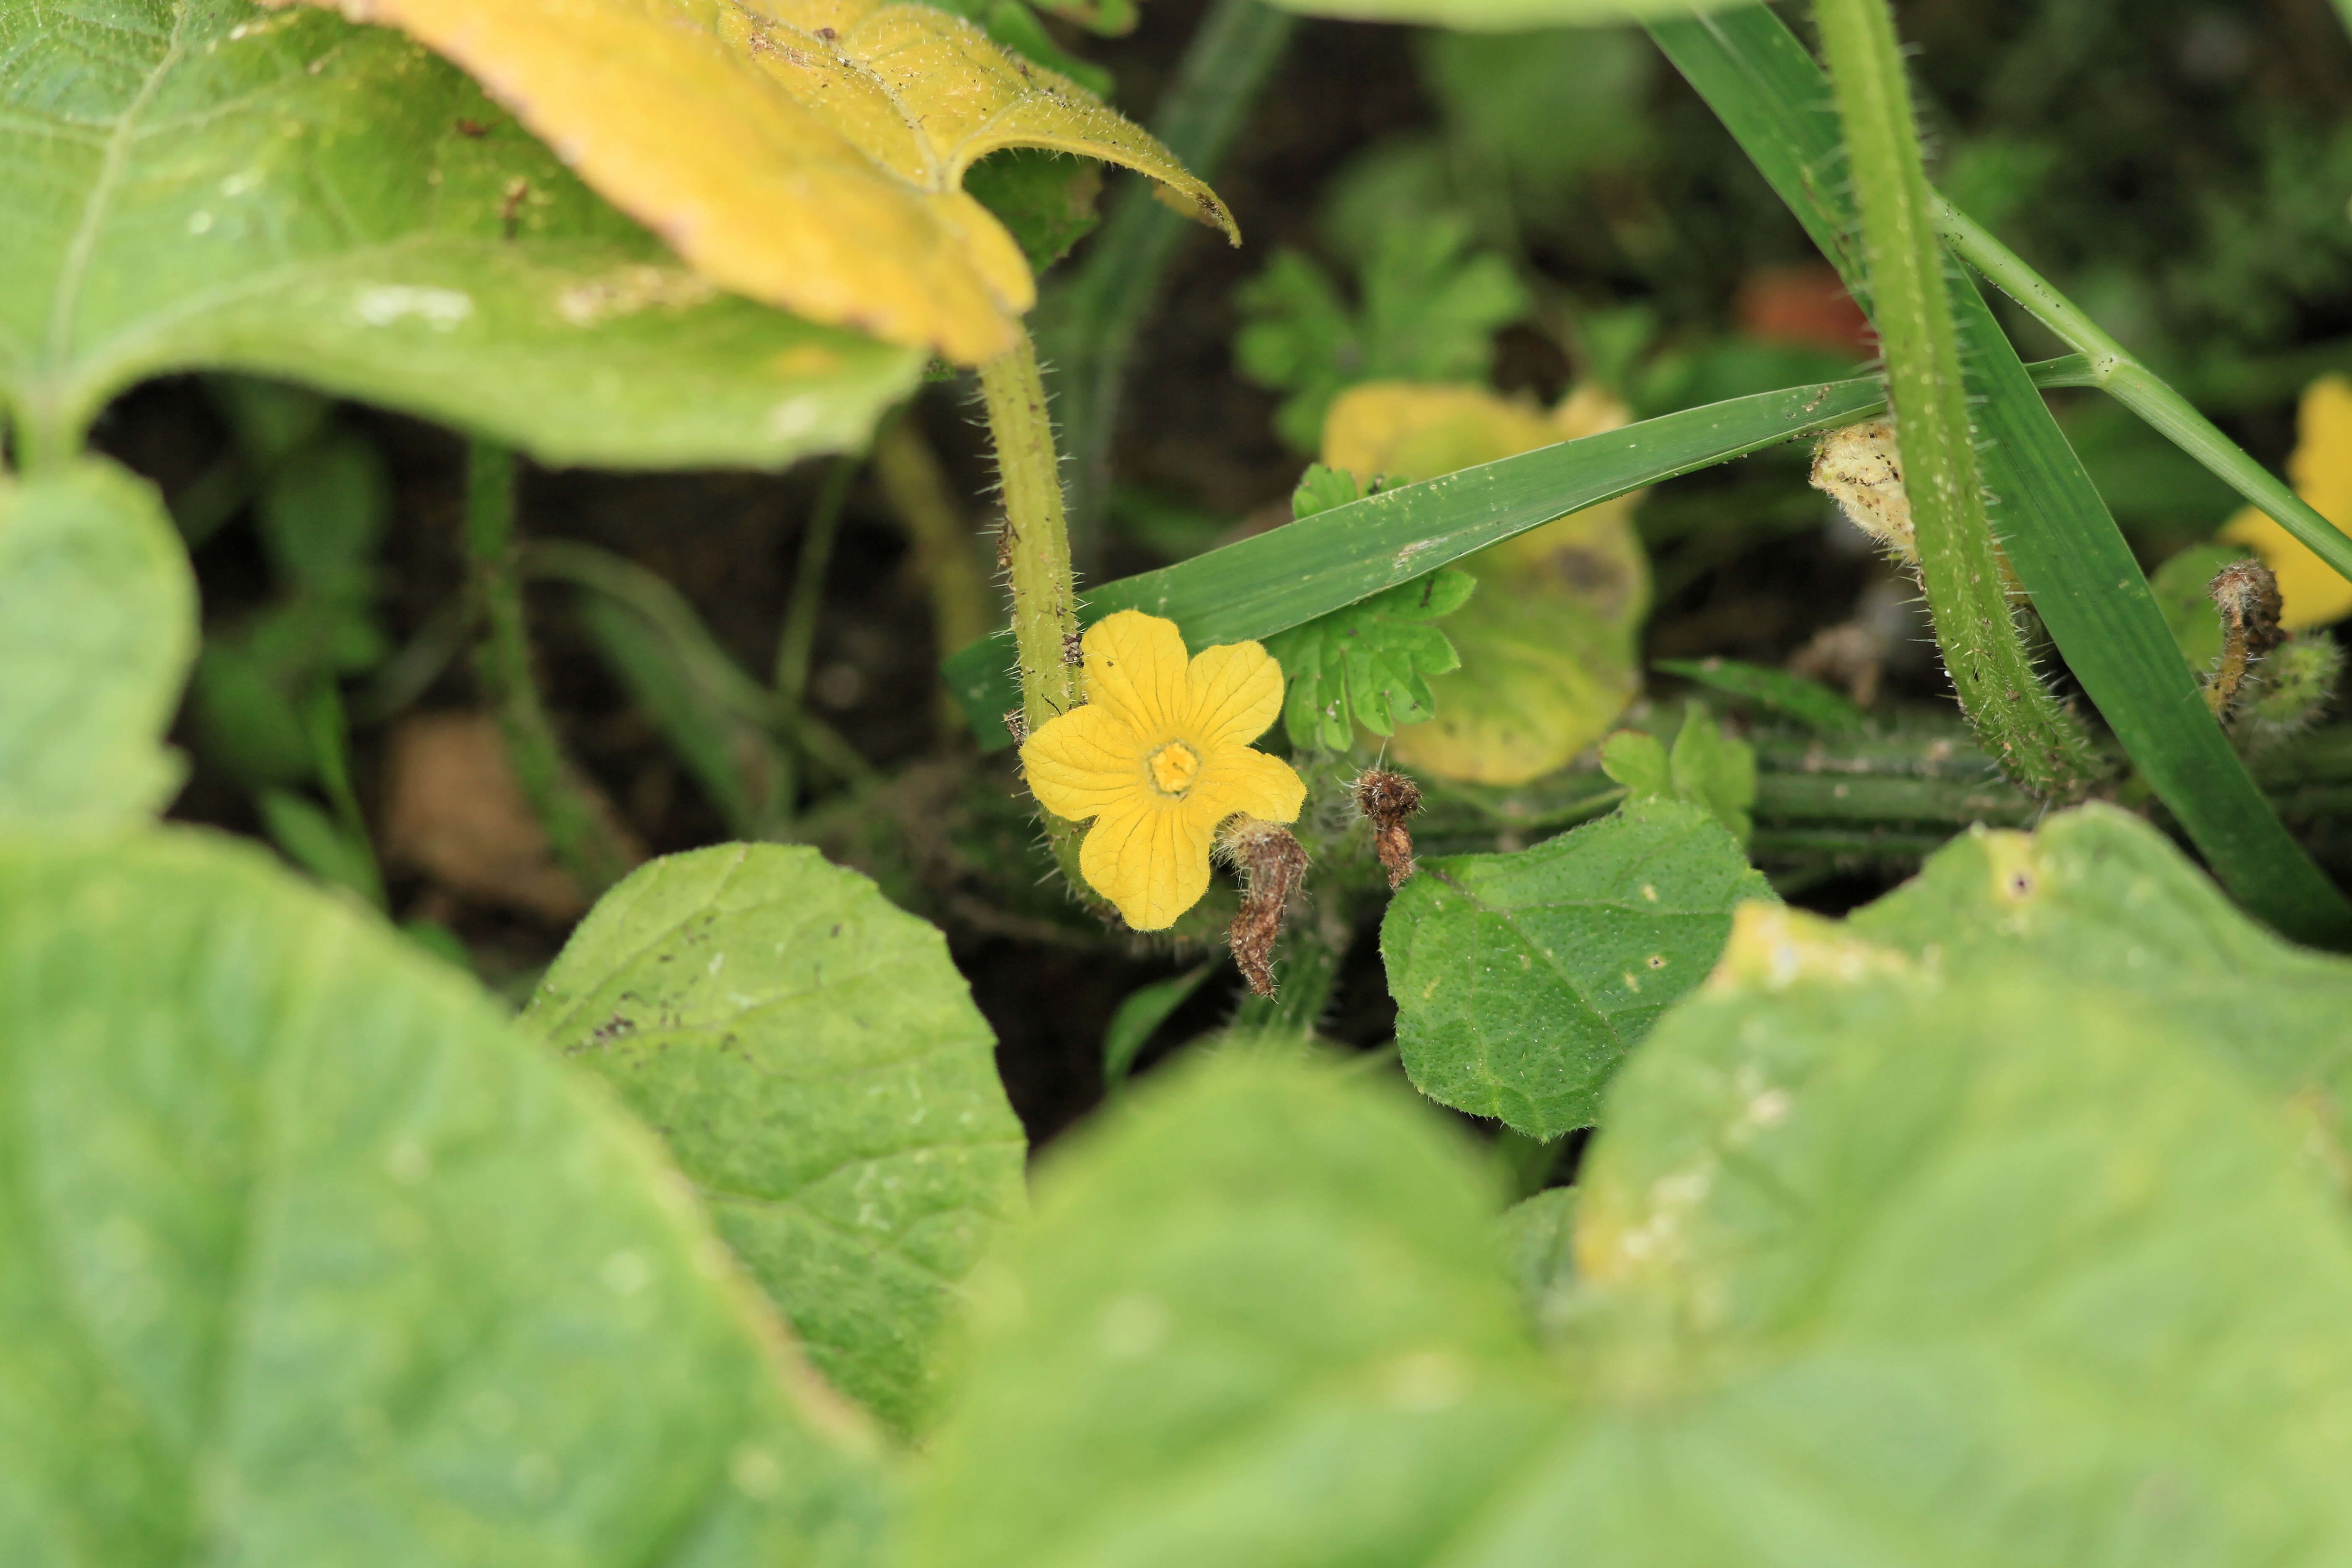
x=1387, y=800
x=2247, y=595
x=1272, y=864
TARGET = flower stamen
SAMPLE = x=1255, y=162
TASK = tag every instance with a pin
x=1174, y=769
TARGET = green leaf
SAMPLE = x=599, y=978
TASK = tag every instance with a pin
x=1139, y=1018
x=1854, y=1232
x=307, y=834
x=2098, y=896
x=203, y=183
x=1319, y=489
x=1539, y=111
x=2084, y=580
x=2180, y=587
x=1432, y=306
x=97, y=628
x=307, y=1257
x=1256, y=1322
x=821, y=1076
x=1521, y=980
x=1715, y=771
x=1808, y=702
x=1537, y=1239
x=1045, y=200
x=1860, y=1276
x=1504, y=15
x=1637, y=759
x=1369, y=664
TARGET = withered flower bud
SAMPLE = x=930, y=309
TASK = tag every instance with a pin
x=1272, y=864
x=1387, y=800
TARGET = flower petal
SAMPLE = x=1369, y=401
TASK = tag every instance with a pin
x=1237, y=779
x=1085, y=762
x=1150, y=860
x=1135, y=667
x=1233, y=692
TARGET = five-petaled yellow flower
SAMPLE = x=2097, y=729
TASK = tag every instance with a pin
x=2321, y=469
x=1160, y=755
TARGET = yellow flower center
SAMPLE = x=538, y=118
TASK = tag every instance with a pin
x=1174, y=766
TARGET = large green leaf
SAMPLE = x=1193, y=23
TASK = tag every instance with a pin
x=1259, y=1323
x=306, y=1257
x=200, y=183
x=1521, y=980
x=1870, y=1270
x=821, y=1074
x=97, y=627
x=2098, y=895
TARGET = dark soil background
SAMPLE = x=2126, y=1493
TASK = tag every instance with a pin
x=2191, y=184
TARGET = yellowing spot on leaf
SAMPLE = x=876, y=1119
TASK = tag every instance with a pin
x=1775, y=946
x=807, y=153
x=1547, y=642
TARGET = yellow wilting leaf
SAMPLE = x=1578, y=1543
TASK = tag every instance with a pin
x=1548, y=641
x=808, y=154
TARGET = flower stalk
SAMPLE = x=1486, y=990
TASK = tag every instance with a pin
x=1036, y=545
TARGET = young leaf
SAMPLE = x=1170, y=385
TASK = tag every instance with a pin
x=307, y=1257
x=196, y=183
x=1430, y=308
x=1045, y=202
x=1808, y=702
x=1521, y=980
x=802, y=152
x=1537, y=1239
x=1715, y=771
x=1256, y=1322
x=97, y=628
x=818, y=1068
x=1369, y=664
x=1548, y=656
x=1139, y=1018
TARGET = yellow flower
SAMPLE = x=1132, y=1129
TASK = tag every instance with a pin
x=1156, y=758
x=2321, y=470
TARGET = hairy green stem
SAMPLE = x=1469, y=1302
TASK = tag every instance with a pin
x=583, y=842
x=1037, y=547
x=1090, y=320
x=2114, y=368
x=2022, y=724
x=797, y=645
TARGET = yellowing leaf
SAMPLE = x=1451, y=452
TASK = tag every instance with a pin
x=809, y=153
x=1547, y=648
x=2321, y=469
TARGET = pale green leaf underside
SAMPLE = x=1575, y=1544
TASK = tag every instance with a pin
x=1889, y=1274
x=196, y=184
x=1505, y=15
x=1521, y=980
x=97, y=627
x=307, y=1257
x=818, y=1068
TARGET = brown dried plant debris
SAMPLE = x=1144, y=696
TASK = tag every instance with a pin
x=2246, y=593
x=1272, y=865
x=1388, y=801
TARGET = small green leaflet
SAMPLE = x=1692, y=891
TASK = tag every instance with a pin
x=1809, y=703
x=1369, y=663
x=1706, y=767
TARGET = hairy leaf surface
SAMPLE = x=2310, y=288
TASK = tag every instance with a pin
x=98, y=628
x=1521, y=980
x=307, y=1257
x=201, y=183
x=1369, y=664
x=809, y=153
x=819, y=1071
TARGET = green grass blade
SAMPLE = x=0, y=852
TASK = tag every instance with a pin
x=1278, y=580
x=2072, y=560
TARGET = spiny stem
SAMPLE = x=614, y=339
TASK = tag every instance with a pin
x=1038, y=558
x=2022, y=727
x=584, y=844
x=1037, y=537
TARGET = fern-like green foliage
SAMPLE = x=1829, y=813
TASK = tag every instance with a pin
x=1370, y=662
x=1431, y=305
